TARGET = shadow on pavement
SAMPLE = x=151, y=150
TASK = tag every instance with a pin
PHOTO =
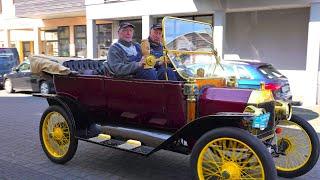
x=307, y=114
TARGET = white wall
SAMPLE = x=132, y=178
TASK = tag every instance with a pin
x=138, y=8
x=8, y=9
x=21, y=35
x=278, y=37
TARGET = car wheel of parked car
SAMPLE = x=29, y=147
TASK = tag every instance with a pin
x=57, y=135
x=299, y=144
x=44, y=87
x=8, y=86
x=231, y=153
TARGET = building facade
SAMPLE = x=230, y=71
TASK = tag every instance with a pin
x=284, y=33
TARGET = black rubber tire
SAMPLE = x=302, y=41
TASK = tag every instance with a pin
x=314, y=151
x=73, y=141
x=7, y=88
x=231, y=132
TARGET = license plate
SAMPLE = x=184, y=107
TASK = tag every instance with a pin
x=261, y=121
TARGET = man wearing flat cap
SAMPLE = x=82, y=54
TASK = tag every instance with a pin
x=125, y=58
x=154, y=45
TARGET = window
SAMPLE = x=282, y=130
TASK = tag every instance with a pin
x=80, y=33
x=201, y=18
x=243, y=73
x=206, y=19
x=270, y=72
x=104, y=37
x=63, y=41
x=50, y=42
x=24, y=67
x=26, y=48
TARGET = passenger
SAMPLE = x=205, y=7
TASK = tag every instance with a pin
x=154, y=42
x=124, y=56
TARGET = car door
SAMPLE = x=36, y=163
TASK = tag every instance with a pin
x=143, y=102
x=22, y=80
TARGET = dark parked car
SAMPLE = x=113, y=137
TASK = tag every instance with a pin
x=21, y=79
x=250, y=74
x=9, y=58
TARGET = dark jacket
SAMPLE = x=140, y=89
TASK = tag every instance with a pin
x=120, y=63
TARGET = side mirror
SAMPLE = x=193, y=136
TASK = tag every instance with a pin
x=15, y=69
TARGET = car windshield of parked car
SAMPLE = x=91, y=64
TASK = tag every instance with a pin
x=270, y=72
x=189, y=46
x=24, y=67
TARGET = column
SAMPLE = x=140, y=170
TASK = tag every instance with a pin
x=72, y=46
x=313, y=49
x=219, y=31
x=6, y=33
x=115, y=27
x=36, y=40
x=92, y=39
x=147, y=21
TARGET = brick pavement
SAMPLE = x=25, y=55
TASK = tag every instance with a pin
x=21, y=155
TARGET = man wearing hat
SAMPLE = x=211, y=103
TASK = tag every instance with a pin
x=124, y=57
x=154, y=45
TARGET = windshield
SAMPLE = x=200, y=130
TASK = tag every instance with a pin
x=189, y=46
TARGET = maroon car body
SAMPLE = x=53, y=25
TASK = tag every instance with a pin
x=196, y=115
x=159, y=104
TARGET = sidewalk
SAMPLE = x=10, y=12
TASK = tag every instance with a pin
x=311, y=114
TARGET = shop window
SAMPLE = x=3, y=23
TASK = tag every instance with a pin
x=104, y=37
x=26, y=47
x=206, y=19
x=49, y=45
x=201, y=18
x=63, y=41
x=137, y=30
x=80, y=38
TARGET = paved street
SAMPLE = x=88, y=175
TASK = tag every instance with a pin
x=21, y=155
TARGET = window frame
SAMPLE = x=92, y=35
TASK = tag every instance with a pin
x=77, y=49
x=61, y=39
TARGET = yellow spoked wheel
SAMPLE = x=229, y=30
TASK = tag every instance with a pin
x=231, y=153
x=56, y=135
x=299, y=147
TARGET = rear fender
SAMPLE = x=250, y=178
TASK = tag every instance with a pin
x=73, y=109
x=195, y=129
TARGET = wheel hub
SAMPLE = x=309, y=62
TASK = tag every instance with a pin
x=57, y=134
x=285, y=145
x=230, y=170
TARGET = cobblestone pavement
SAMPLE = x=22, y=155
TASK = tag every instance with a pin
x=21, y=155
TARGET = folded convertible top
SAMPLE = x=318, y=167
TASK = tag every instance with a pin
x=49, y=64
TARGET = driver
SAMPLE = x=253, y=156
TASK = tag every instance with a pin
x=124, y=57
x=154, y=44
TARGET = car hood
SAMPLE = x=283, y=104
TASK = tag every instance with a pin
x=4, y=71
x=213, y=100
x=6, y=66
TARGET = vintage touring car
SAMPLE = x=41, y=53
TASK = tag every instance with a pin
x=229, y=133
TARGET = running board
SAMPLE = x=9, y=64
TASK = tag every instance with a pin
x=148, y=137
x=130, y=145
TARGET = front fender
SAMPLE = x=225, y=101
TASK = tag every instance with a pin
x=195, y=129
